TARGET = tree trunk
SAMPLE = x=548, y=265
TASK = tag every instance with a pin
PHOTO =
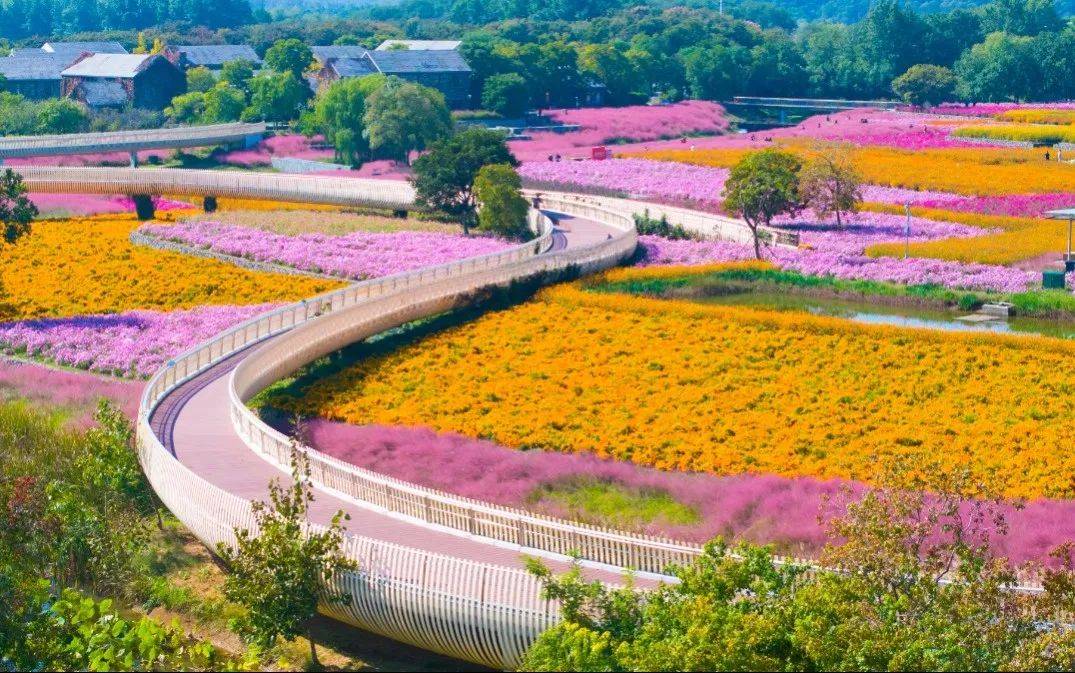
x=757, y=238
x=839, y=223
x=314, y=661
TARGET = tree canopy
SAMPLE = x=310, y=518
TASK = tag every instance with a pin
x=444, y=177
x=402, y=117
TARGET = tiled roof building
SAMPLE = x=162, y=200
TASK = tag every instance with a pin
x=146, y=80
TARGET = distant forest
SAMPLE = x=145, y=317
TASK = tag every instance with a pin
x=561, y=49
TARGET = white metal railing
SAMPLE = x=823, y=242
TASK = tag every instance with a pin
x=244, y=185
x=483, y=613
x=127, y=141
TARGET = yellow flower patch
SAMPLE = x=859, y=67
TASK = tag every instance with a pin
x=1038, y=116
x=1019, y=238
x=88, y=265
x=970, y=171
x=728, y=390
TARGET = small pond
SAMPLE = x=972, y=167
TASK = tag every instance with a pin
x=864, y=311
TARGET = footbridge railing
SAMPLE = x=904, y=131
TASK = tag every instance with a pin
x=129, y=141
x=484, y=613
x=347, y=192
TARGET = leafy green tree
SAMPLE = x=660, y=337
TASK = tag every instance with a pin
x=776, y=67
x=16, y=208
x=61, y=115
x=761, y=186
x=503, y=209
x=923, y=85
x=444, y=177
x=1021, y=17
x=223, y=103
x=338, y=114
x=506, y=94
x=402, y=117
x=289, y=56
x=716, y=72
x=276, y=96
x=200, y=79
x=999, y=68
x=606, y=64
x=829, y=182
x=277, y=572
x=187, y=108
x=238, y=74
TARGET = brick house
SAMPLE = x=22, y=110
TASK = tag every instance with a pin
x=117, y=80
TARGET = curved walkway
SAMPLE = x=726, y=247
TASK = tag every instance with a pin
x=194, y=424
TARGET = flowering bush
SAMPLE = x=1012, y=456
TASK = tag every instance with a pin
x=356, y=255
x=726, y=390
x=135, y=343
x=88, y=265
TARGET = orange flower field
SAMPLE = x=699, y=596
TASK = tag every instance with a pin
x=88, y=265
x=727, y=390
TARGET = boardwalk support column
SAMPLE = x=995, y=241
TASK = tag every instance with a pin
x=209, y=204
x=143, y=206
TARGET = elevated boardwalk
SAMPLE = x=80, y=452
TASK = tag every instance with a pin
x=130, y=141
x=346, y=192
x=434, y=570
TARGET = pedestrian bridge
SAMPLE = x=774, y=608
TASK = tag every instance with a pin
x=132, y=142
x=434, y=570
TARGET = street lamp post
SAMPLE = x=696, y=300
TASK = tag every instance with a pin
x=907, y=230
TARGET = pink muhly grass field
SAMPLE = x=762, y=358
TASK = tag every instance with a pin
x=788, y=513
x=286, y=145
x=98, y=159
x=672, y=181
x=631, y=124
x=76, y=205
x=78, y=391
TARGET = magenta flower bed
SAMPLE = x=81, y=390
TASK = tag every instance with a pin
x=828, y=251
x=357, y=255
x=758, y=508
x=1011, y=205
x=288, y=145
x=135, y=343
x=673, y=181
x=74, y=205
